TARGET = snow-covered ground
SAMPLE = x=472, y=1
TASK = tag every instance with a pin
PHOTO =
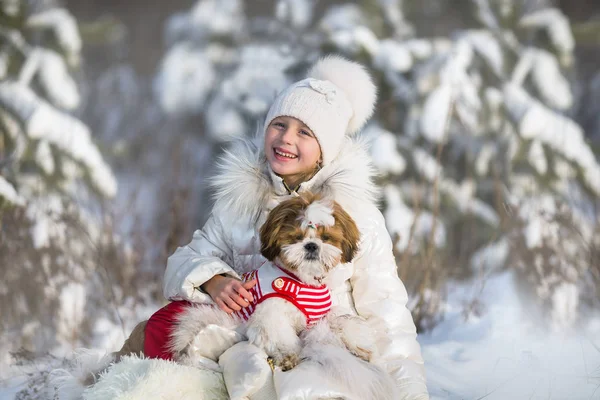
x=504, y=355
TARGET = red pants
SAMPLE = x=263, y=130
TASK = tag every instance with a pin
x=159, y=329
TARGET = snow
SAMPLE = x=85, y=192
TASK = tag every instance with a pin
x=523, y=67
x=72, y=137
x=505, y=354
x=72, y=311
x=56, y=80
x=393, y=56
x=218, y=17
x=384, y=152
x=346, y=29
x=484, y=157
x=45, y=214
x=4, y=61
x=298, y=13
x=355, y=40
x=392, y=11
x=247, y=91
x=435, y=114
x=8, y=192
x=537, y=157
x=185, y=79
x=399, y=219
x=491, y=257
x=565, y=301
x=539, y=214
x=550, y=82
x=342, y=17
x=65, y=29
x=43, y=157
x=42, y=122
x=463, y=196
x=427, y=166
x=556, y=131
x=224, y=121
x=486, y=45
x=556, y=25
x=419, y=48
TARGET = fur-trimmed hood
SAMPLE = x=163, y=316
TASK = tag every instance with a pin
x=244, y=182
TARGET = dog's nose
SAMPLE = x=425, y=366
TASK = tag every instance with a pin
x=312, y=247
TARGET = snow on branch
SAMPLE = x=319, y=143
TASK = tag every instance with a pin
x=64, y=27
x=557, y=26
x=64, y=132
x=9, y=194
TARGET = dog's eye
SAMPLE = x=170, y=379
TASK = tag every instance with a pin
x=299, y=237
x=325, y=237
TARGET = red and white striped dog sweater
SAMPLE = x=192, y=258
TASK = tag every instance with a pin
x=274, y=281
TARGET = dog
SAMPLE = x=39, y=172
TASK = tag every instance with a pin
x=303, y=239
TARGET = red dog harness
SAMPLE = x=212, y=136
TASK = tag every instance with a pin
x=273, y=281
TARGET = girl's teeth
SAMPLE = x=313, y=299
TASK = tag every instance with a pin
x=285, y=154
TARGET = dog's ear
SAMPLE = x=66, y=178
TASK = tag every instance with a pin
x=284, y=215
x=351, y=234
x=269, y=246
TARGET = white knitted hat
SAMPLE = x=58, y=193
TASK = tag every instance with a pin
x=336, y=100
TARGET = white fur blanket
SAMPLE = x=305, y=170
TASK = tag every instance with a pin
x=135, y=378
x=138, y=378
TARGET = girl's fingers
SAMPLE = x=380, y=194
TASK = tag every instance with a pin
x=239, y=300
x=223, y=307
x=232, y=304
x=249, y=284
x=245, y=294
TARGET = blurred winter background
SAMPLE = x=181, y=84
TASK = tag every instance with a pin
x=487, y=137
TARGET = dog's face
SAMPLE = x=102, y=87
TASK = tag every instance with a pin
x=309, y=236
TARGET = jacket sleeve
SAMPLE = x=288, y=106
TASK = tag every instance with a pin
x=380, y=296
x=208, y=254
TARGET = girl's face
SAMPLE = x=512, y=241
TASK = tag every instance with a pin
x=291, y=149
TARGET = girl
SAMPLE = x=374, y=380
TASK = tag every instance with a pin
x=306, y=146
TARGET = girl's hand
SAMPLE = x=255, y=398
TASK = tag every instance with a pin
x=229, y=293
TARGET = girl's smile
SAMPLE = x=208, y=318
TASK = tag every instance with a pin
x=283, y=155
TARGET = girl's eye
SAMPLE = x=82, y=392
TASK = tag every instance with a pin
x=279, y=124
x=306, y=133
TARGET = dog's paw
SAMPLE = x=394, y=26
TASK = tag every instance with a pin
x=286, y=361
x=361, y=352
x=356, y=335
x=258, y=336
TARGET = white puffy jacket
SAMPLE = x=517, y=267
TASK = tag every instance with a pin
x=246, y=190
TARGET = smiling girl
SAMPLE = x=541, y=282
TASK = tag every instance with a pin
x=306, y=145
